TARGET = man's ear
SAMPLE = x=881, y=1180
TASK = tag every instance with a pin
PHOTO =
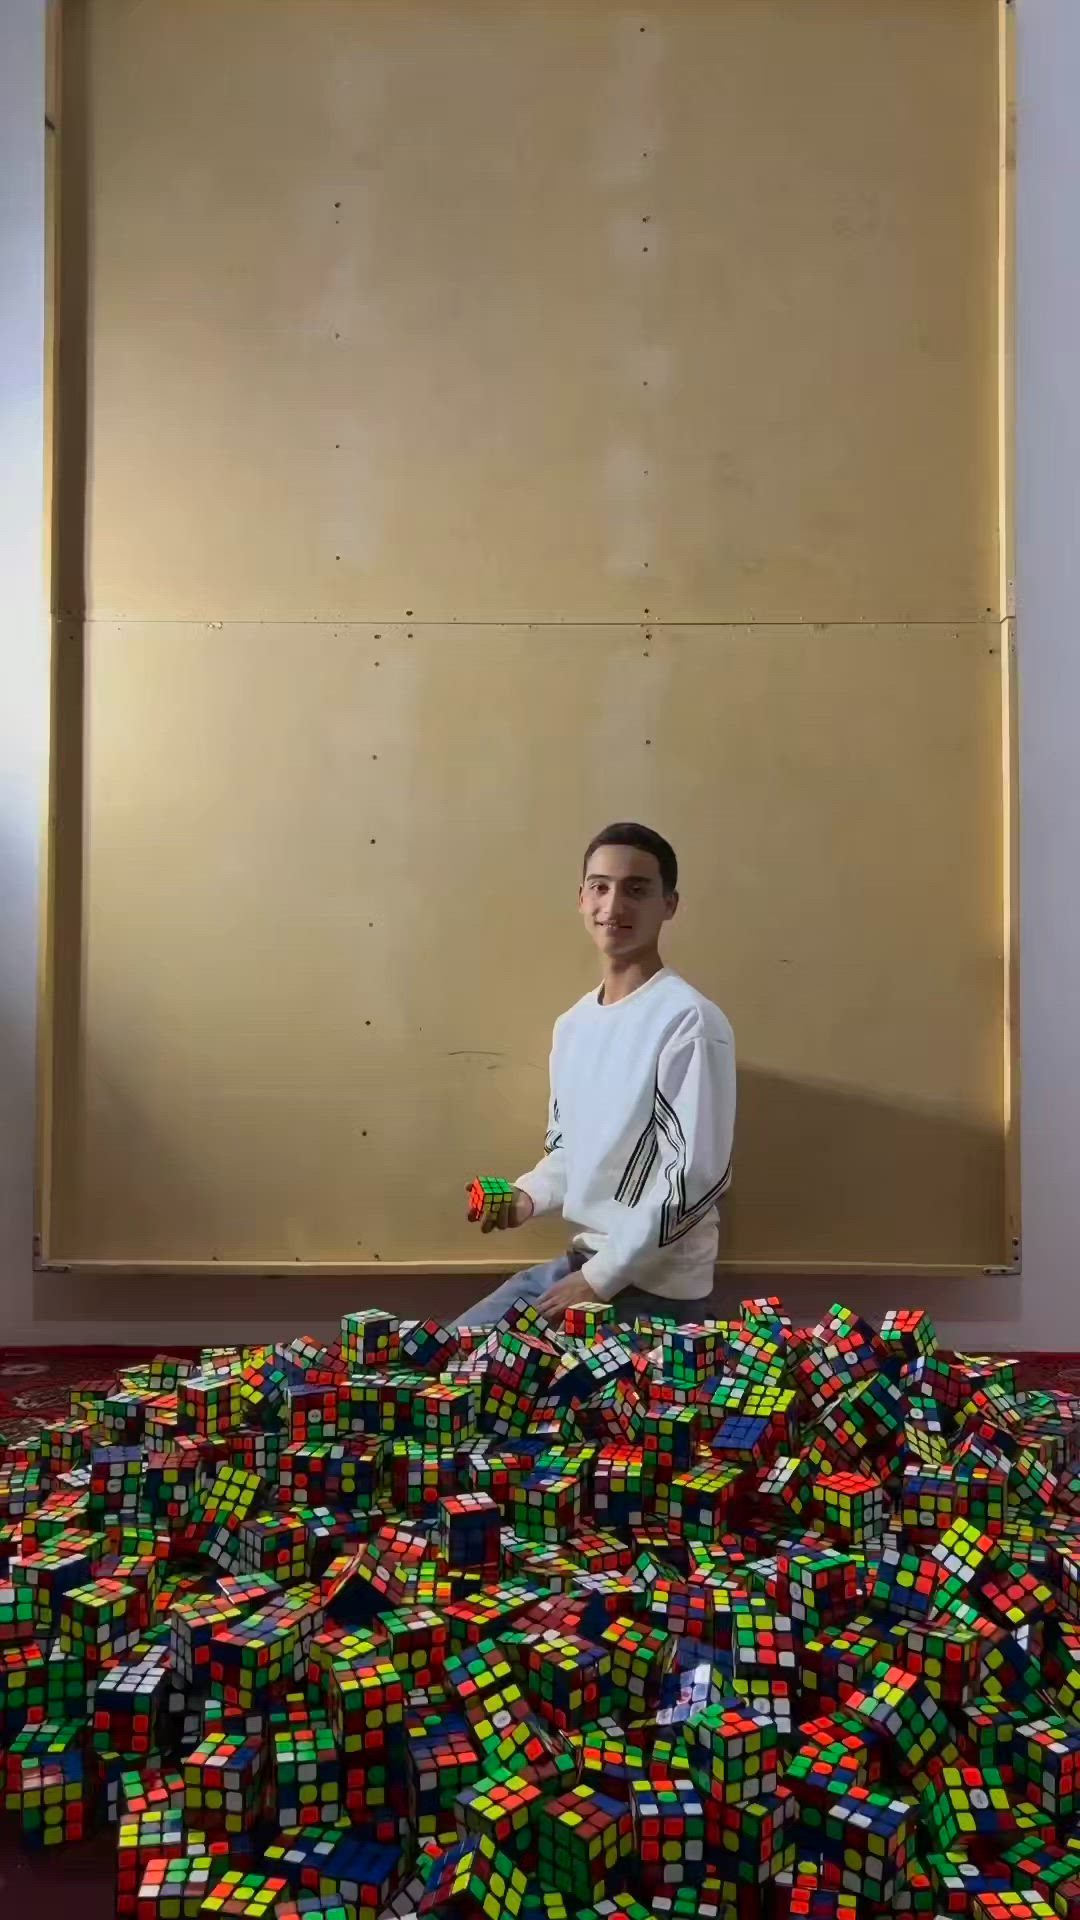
x=671, y=901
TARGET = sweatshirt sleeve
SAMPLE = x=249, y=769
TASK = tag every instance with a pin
x=694, y=1125
x=545, y=1183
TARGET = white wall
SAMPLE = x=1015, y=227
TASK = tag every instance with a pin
x=1040, y=1311
x=23, y=654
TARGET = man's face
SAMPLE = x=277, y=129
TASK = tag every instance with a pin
x=622, y=901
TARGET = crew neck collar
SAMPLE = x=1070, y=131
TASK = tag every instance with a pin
x=605, y=1006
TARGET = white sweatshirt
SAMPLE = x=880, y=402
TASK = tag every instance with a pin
x=640, y=1126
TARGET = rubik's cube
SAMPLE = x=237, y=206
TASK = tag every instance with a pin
x=67, y=1684
x=733, y=1754
x=488, y=1195
x=20, y=1490
x=210, y=1404
x=147, y=1789
x=815, y=1588
x=747, y=1440
x=565, y=1677
x=428, y=1346
x=754, y=1841
x=1033, y=1487
x=476, y=1880
x=366, y=1703
x=257, y=1450
x=609, y=1759
x=669, y=1830
x=907, y=1332
x=815, y=1901
x=376, y=1796
x=696, y=1504
x=762, y=1650
x=274, y=1543
x=623, y=1486
x=964, y=1556
x=141, y=1838
x=968, y=1804
x=100, y=1621
x=445, y=1416
x=223, y=1782
x=1051, y=1871
x=332, y=1473
x=250, y=1657
x=547, y=1506
x=784, y=1488
x=502, y=1805
x=170, y=1481
x=947, y=1658
x=64, y=1444
x=584, y=1840
x=494, y=1607
x=194, y=1619
x=589, y=1321
x=598, y=1552
x=903, y=1585
x=246, y=1896
x=467, y=1533
x=481, y=1678
x=852, y=1506
x=174, y=1887
x=306, y=1776
x=668, y=1437
x=640, y=1658
x=872, y=1834
x=47, y=1573
x=690, y=1355
x=369, y=1339
x=416, y=1644
x=23, y=1686
x=902, y=1704
x=984, y=1494
x=420, y=1475
x=1014, y=1904
x=129, y=1699
x=305, y=1359
x=115, y=1480
x=312, y=1411
x=46, y=1784
x=616, y=1412
x=441, y=1761
x=1046, y=1755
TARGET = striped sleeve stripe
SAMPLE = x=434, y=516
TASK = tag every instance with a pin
x=643, y=1154
x=677, y=1218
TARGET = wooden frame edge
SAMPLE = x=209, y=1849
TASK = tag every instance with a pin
x=1010, y=772
x=43, y=1262
x=45, y=1037
x=306, y=1270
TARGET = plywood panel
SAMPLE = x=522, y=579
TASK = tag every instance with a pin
x=328, y=916
x=545, y=312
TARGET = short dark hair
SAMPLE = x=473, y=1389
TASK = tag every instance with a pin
x=627, y=833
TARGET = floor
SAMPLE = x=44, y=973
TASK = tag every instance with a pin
x=63, y=1881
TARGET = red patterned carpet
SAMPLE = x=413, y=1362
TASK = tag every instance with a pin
x=35, y=1381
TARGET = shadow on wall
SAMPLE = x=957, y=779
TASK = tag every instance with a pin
x=856, y=1174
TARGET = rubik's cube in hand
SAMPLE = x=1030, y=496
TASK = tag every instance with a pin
x=488, y=1195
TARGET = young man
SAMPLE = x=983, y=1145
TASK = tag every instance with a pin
x=641, y=1114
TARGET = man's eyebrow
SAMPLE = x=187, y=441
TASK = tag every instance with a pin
x=645, y=878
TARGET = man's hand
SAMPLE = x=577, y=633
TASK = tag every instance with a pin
x=515, y=1210
x=571, y=1292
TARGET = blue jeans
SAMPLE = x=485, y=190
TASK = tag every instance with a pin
x=534, y=1281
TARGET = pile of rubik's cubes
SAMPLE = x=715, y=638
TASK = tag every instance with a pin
x=655, y=1622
